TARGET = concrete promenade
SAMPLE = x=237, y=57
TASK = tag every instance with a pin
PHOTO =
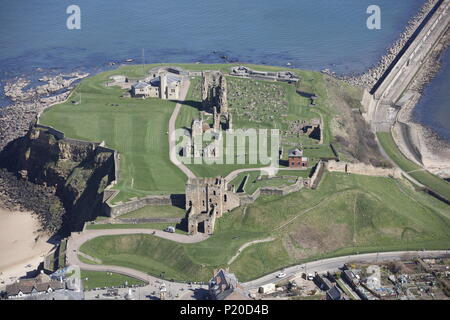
x=172, y=128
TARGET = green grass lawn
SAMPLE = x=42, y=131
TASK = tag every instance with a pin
x=247, y=181
x=347, y=214
x=428, y=179
x=136, y=128
x=156, y=212
x=97, y=279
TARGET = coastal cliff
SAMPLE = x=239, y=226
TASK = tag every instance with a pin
x=75, y=172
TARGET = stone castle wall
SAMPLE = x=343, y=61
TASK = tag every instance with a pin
x=363, y=169
x=152, y=200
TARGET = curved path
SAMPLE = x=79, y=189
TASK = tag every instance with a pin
x=172, y=128
x=77, y=239
x=248, y=244
x=320, y=266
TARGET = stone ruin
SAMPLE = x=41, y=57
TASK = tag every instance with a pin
x=309, y=128
x=214, y=101
x=214, y=98
x=206, y=200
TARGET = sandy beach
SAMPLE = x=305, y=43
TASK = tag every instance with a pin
x=20, y=245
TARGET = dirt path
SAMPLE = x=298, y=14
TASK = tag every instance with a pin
x=246, y=245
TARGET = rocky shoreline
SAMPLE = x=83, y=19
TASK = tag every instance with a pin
x=16, y=118
x=17, y=194
x=21, y=195
x=369, y=78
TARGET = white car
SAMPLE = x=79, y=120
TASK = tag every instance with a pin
x=281, y=275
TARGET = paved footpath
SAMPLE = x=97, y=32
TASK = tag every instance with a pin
x=77, y=239
x=172, y=137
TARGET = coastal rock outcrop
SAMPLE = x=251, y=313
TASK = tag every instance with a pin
x=76, y=172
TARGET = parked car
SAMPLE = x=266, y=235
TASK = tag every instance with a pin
x=281, y=275
x=170, y=229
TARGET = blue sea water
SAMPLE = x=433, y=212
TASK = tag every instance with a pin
x=308, y=34
x=433, y=109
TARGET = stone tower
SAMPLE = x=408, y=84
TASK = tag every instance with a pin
x=214, y=91
x=206, y=200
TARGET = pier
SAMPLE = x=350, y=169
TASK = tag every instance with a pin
x=381, y=102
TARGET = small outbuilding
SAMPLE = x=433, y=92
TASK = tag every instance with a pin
x=296, y=159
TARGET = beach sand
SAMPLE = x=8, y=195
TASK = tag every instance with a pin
x=18, y=247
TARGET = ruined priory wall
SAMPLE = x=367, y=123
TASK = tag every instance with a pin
x=363, y=169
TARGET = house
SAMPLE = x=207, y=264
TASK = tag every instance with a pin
x=296, y=159
x=323, y=283
x=164, y=86
x=30, y=287
x=334, y=293
x=351, y=279
x=140, y=90
x=225, y=286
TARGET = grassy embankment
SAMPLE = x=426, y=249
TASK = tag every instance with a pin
x=97, y=279
x=147, y=212
x=347, y=214
x=247, y=181
x=426, y=178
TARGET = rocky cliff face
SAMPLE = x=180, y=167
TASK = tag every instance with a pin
x=77, y=172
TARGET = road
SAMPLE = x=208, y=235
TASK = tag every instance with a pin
x=172, y=128
x=333, y=264
x=320, y=266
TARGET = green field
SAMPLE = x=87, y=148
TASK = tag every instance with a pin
x=97, y=279
x=248, y=183
x=347, y=214
x=428, y=179
x=136, y=128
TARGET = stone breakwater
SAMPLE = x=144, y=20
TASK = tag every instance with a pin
x=373, y=74
x=16, y=118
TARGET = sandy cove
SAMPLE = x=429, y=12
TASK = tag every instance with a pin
x=21, y=244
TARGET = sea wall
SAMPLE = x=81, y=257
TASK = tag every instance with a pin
x=369, y=78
